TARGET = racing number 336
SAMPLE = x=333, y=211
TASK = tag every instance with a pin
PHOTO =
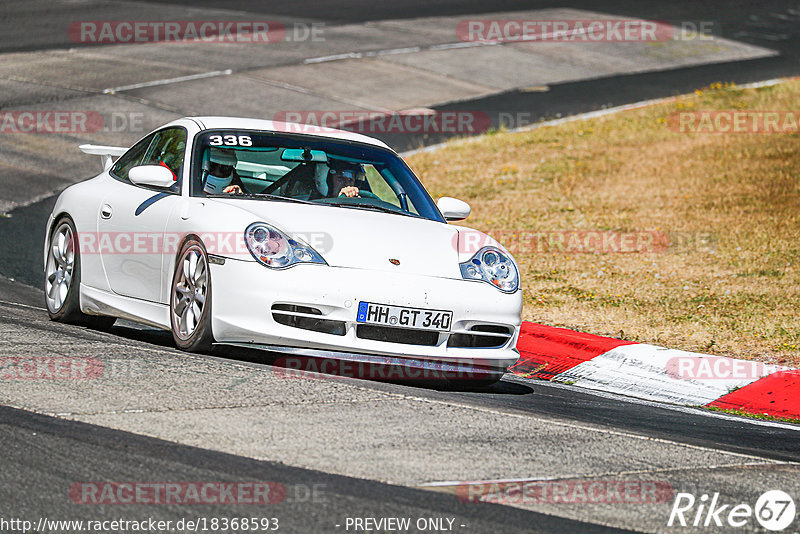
x=230, y=140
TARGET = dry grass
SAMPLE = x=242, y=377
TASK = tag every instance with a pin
x=729, y=281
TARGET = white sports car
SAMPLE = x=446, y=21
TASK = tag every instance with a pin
x=286, y=237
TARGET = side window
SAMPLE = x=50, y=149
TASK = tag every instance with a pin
x=167, y=149
x=131, y=159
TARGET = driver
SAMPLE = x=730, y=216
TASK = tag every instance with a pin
x=345, y=178
x=222, y=176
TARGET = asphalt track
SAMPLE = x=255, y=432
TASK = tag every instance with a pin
x=315, y=501
x=43, y=455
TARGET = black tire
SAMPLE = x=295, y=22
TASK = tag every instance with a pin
x=199, y=338
x=65, y=307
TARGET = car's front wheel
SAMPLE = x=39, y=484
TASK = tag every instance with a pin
x=190, y=301
x=62, y=279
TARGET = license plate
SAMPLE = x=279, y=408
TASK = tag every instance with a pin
x=399, y=316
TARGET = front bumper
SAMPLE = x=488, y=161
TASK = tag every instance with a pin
x=244, y=293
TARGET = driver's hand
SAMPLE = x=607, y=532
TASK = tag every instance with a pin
x=349, y=191
x=233, y=189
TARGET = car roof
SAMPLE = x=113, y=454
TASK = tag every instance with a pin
x=239, y=123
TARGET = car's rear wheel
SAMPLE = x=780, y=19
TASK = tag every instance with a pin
x=190, y=301
x=62, y=279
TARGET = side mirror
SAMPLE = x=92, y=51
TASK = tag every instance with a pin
x=152, y=175
x=453, y=209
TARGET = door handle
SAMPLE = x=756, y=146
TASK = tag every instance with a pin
x=106, y=211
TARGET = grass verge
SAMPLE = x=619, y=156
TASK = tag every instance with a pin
x=624, y=227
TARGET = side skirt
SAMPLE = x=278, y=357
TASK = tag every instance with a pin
x=97, y=302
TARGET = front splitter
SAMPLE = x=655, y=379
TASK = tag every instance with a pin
x=368, y=366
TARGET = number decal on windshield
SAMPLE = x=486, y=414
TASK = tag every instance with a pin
x=230, y=140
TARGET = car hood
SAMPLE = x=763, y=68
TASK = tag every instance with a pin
x=363, y=239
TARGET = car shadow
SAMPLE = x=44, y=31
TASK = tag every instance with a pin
x=330, y=368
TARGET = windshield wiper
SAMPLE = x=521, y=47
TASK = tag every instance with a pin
x=279, y=198
x=266, y=196
x=372, y=207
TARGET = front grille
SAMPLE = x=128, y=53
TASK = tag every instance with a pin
x=406, y=336
x=474, y=341
x=491, y=328
x=296, y=308
x=480, y=341
x=283, y=314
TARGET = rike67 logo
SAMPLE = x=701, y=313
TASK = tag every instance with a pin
x=774, y=510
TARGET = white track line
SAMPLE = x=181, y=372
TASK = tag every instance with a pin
x=609, y=474
x=212, y=74
x=21, y=305
x=396, y=51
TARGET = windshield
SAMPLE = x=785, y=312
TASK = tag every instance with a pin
x=267, y=166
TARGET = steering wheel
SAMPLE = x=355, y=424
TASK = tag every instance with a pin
x=365, y=194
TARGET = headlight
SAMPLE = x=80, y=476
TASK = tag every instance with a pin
x=273, y=248
x=492, y=265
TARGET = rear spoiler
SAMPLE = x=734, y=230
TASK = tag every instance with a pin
x=105, y=152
